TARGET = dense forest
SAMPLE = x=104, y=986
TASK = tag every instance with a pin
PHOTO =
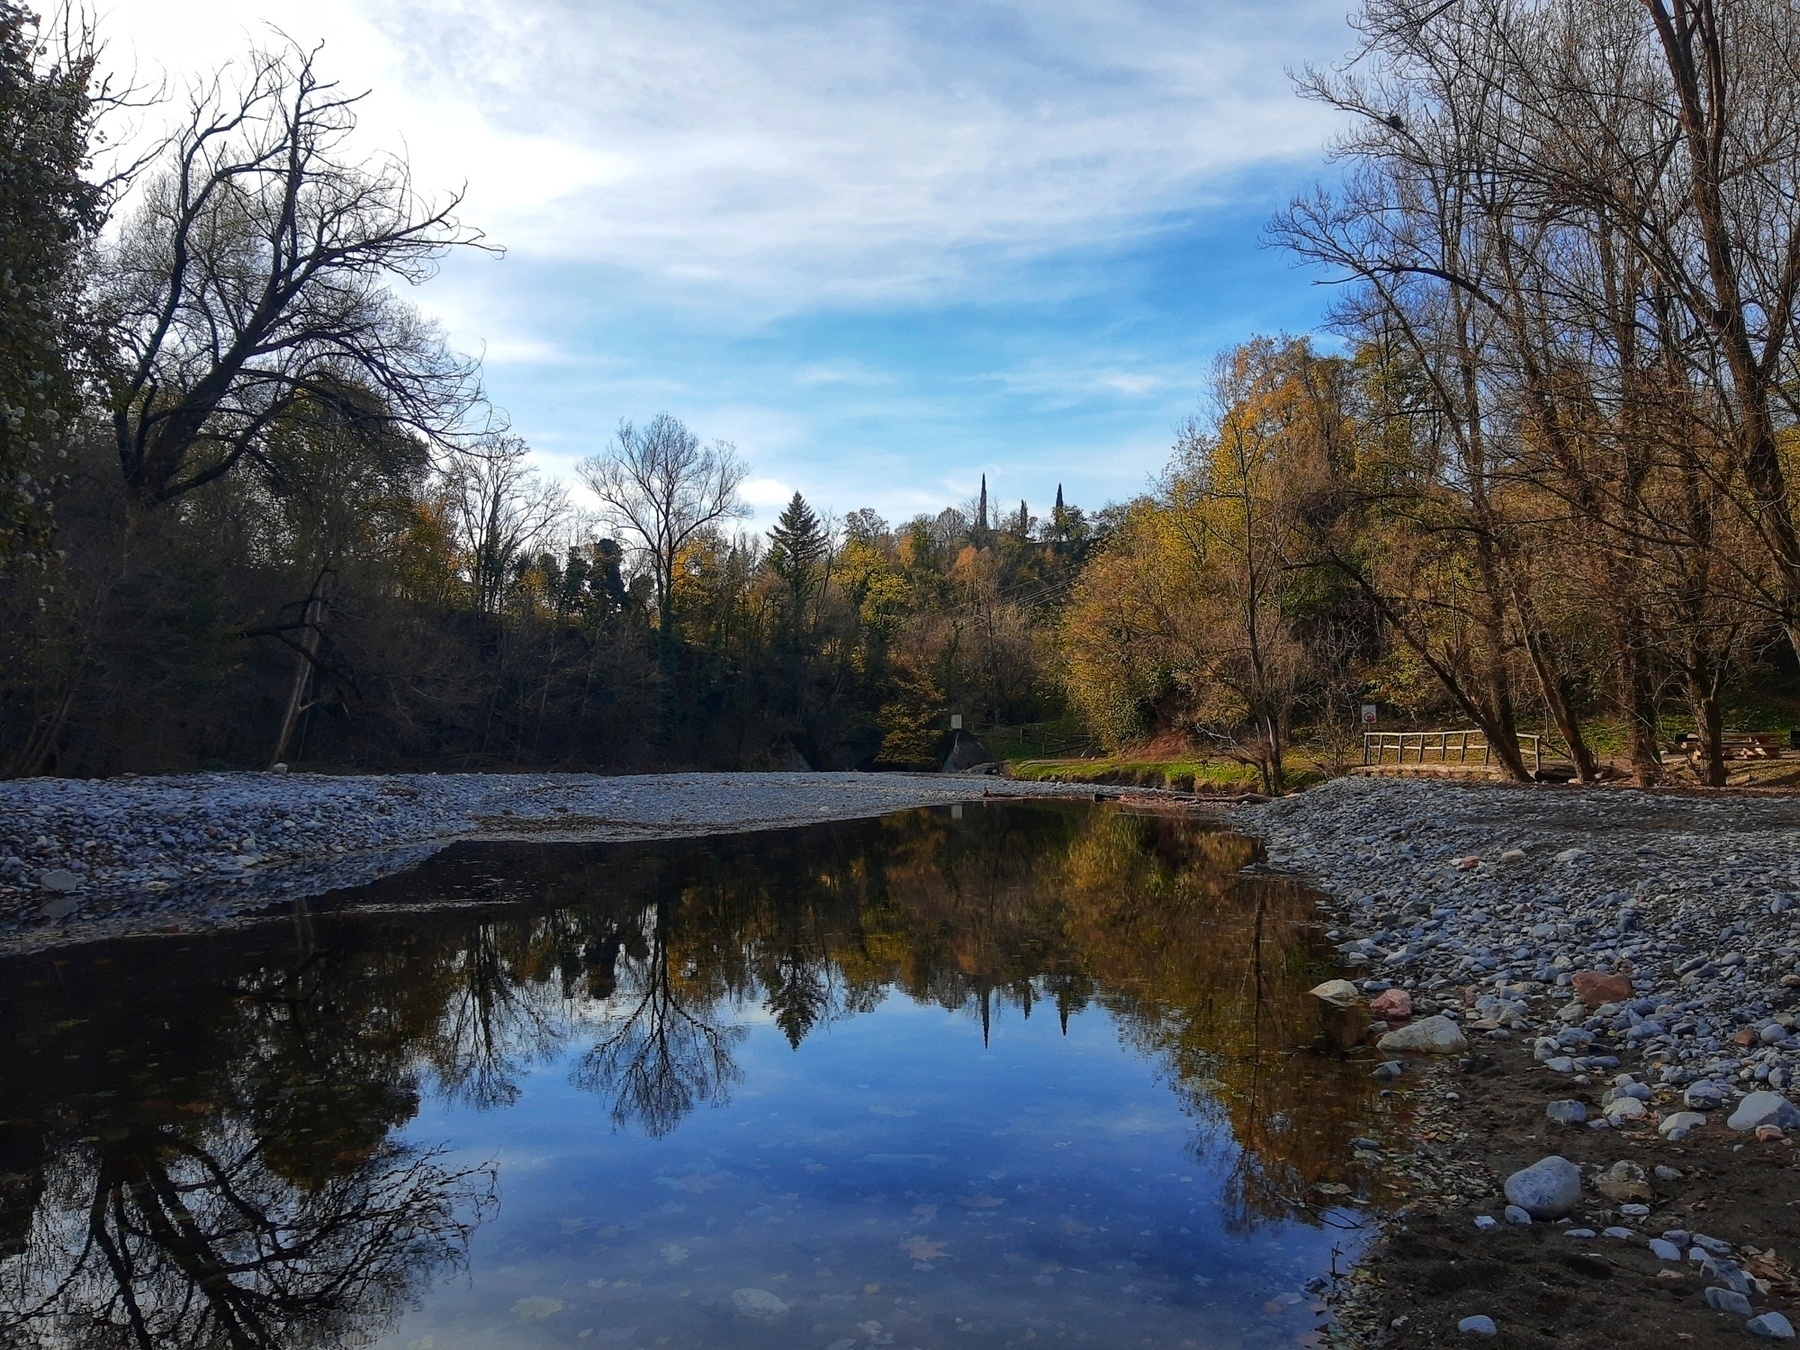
x=1537, y=477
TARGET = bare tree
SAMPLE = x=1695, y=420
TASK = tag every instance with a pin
x=661, y=486
x=1733, y=81
x=257, y=268
x=503, y=512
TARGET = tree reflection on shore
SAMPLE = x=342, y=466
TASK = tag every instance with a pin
x=199, y=1145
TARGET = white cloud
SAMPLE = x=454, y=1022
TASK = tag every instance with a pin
x=781, y=156
x=1133, y=384
x=850, y=373
x=767, y=492
x=672, y=178
x=523, y=350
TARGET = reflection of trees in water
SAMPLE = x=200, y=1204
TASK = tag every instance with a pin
x=800, y=990
x=1204, y=969
x=659, y=1053
x=492, y=1021
x=1210, y=976
x=283, y=1209
x=186, y=1236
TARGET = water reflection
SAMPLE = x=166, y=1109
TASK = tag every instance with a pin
x=206, y=1140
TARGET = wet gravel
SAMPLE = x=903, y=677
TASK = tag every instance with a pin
x=83, y=859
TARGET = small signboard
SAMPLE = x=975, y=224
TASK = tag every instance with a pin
x=956, y=721
x=1368, y=714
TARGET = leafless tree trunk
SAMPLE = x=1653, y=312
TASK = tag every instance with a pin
x=255, y=271
x=306, y=638
x=663, y=488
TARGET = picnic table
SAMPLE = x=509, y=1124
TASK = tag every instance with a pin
x=1738, y=744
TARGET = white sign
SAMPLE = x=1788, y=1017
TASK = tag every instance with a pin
x=1368, y=714
x=956, y=721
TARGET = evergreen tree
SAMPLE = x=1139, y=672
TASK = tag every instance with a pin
x=797, y=545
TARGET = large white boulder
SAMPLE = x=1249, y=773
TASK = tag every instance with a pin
x=1429, y=1035
x=1338, y=993
x=1764, y=1108
x=1548, y=1189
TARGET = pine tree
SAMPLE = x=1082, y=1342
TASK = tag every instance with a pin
x=797, y=545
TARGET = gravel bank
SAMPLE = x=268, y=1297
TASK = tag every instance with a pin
x=1517, y=891
x=1676, y=916
x=83, y=859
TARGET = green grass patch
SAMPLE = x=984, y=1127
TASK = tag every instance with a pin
x=1058, y=739
x=1184, y=774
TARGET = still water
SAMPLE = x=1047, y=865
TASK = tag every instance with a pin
x=999, y=1075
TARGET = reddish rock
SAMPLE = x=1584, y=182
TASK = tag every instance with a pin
x=1744, y=1036
x=1593, y=988
x=1391, y=1003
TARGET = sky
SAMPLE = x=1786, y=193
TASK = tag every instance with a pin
x=883, y=248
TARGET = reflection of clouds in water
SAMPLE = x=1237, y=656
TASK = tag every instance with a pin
x=1069, y=936
x=1135, y=1122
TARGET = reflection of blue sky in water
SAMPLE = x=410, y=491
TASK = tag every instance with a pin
x=263, y=1104
x=890, y=1178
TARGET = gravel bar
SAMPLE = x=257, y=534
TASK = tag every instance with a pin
x=1492, y=903
x=1609, y=979
x=92, y=858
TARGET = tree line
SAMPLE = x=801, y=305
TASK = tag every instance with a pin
x=253, y=509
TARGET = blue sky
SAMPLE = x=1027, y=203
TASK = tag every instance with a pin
x=883, y=248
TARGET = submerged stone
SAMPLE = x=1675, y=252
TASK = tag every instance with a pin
x=757, y=1303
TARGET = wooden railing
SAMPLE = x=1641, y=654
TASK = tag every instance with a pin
x=1445, y=747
